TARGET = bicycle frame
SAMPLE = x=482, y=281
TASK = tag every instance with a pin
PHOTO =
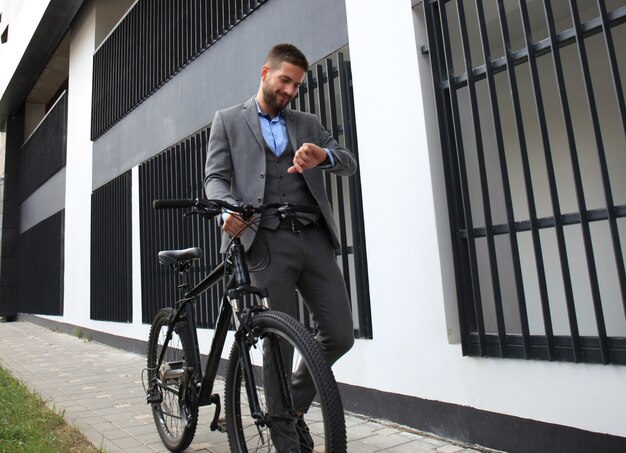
x=238, y=285
x=256, y=328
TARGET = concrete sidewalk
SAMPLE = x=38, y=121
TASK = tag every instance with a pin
x=99, y=390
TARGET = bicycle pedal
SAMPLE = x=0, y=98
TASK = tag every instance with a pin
x=221, y=425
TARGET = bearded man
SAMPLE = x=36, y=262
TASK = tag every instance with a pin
x=262, y=152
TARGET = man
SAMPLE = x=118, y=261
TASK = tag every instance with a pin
x=261, y=152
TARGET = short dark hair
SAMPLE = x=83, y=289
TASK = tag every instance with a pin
x=286, y=53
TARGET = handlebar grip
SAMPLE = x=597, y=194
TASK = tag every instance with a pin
x=171, y=204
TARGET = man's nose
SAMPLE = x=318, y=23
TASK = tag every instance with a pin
x=292, y=90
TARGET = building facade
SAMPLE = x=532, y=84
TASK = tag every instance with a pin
x=482, y=237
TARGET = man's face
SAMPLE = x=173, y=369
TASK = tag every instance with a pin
x=280, y=85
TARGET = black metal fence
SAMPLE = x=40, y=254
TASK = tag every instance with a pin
x=111, y=251
x=175, y=173
x=44, y=152
x=532, y=119
x=179, y=172
x=153, y=42
x=41, y=266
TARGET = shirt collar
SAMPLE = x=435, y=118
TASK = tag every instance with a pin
x=280, y=115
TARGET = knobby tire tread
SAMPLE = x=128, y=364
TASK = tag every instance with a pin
x=328, y=392
x=161, y=320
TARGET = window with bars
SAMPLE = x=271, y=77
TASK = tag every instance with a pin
x=532, y=121
x=178, y=172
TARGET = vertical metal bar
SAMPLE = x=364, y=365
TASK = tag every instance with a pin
x=115, y=77
x=129, y=249
x=617, y=250
x=150, y=44
x=220, y=17
x=449, y=163
x=332, y=126
x=127, y=65
x=484, y=183
x=197, y=27
x=150, y=225
x=148, y=222
x=214, y=20
x=530, y=195
x=165, y=36
x=301, y=98
x=467, y=211
x=152, y=301
x=512, y=234
x=187, y=24
x=310, y=91
x=95, y=102
x=138, y=47
x=610, y=47
x=93, y=269
x=142, y=230
x=110, y=253
x=343, y=86
x=163, y=40
x=175, y=38
x=203, y=15
x=622, y=109
x=358, y=224
x=321, y=100
x=333, y=120
x=157, y=45
x=554, y=196
x=143, y=234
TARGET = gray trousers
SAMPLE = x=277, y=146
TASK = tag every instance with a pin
x=306, y=261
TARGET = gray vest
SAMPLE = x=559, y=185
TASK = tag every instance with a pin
x=281, y=186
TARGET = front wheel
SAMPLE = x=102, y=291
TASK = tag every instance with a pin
x=172, y=389
x=297, y=357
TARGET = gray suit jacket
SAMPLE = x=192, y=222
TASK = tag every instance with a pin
x=235, y=165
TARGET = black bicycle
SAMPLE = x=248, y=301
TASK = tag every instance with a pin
x=177, y=385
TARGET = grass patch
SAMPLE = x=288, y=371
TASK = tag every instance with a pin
x=27, y=425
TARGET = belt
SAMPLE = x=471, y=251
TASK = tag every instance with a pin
x=296, y=226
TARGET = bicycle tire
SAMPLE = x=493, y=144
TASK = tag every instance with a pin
x=175, y=418
x=325, y=418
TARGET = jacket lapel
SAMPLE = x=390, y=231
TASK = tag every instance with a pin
x=290, y=122
x=252, y=118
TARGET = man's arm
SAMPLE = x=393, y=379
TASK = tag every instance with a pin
x=310, y=155
x=218, y=171
x=345, y=162
x=218, y=168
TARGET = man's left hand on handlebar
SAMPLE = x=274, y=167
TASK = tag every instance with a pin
x=233, y=224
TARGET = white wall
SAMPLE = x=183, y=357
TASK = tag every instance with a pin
x=78, y=169
x=410, y=353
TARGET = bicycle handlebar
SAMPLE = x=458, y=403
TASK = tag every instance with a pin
x=171, y=204
x=215, y=207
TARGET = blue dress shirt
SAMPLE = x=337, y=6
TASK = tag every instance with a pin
x=275, y=134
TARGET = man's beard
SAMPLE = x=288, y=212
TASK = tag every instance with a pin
x=272, y=98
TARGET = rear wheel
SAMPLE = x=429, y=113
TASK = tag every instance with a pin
x=281, y=430
x=172, y=388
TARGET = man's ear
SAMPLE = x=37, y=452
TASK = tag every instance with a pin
x=264, y=71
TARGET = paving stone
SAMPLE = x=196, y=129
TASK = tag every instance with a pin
x=99, y=390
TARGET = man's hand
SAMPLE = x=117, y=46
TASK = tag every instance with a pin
x=233, y=224
x=308, y=156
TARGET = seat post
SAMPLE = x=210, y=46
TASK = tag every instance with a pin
x=183, y=271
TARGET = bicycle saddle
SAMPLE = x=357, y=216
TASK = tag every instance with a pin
x=169, y=257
